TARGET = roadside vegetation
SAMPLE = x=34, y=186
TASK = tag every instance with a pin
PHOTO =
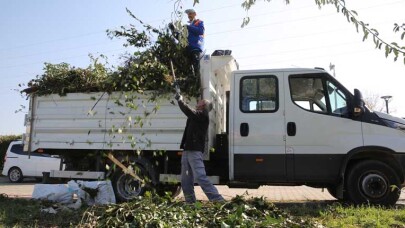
x=4, y=142
x=153, y=211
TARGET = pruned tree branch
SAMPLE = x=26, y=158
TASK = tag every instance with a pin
x=390, y=48
x=352, y=16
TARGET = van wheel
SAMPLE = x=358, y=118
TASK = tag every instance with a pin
x=15, y=175
x=373, y=182
x=127, y=187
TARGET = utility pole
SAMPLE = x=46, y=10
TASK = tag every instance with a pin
x=386, y=99
x=332, y=67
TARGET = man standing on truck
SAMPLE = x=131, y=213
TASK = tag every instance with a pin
x=195, y=39
x=193, y=143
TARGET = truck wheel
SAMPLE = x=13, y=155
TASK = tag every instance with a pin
x=15, y=175
x=126, y=187
x=373, y=182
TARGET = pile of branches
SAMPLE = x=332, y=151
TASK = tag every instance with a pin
x=148, y=68
x=154, y=211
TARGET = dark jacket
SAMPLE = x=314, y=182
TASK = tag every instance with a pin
x=196, y=35
x=196, y=128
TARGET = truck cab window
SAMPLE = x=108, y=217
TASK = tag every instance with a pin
x=258, y=94
x=308, y=93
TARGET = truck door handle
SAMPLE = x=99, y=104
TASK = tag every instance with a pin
x=291, y=129
x=244, y=129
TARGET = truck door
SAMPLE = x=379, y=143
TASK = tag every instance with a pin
x=320, y=130
x=257, y=128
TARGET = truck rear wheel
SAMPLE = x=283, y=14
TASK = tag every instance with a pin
x=373, y=182
x=127, y=187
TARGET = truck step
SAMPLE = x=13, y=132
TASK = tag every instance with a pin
x=77, y=174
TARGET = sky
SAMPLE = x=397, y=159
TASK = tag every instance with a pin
x=278, y=36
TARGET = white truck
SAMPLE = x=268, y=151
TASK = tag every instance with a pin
x=268, y=127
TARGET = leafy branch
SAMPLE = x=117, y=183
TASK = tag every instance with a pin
x=390, y=47
x=352, y=16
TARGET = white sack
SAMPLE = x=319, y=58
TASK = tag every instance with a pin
x=53, y=192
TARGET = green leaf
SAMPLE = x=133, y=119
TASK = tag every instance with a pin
x=377, y=43
x=365, y=35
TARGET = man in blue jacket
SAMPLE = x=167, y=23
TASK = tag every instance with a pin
x=195, y=39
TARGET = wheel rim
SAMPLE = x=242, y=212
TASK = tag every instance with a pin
x=15, y=175
x=374, y=185
x=129, y=187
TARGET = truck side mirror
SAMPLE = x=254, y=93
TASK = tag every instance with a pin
x=358, y=103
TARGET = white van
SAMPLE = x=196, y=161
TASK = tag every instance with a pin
x=19, y=164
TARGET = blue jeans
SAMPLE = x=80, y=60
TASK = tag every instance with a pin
x=192, y=167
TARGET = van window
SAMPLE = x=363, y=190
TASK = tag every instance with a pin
x=258, y=94
x=17, y=148
x=314, y=94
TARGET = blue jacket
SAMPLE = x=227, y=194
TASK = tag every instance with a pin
x=196, y=35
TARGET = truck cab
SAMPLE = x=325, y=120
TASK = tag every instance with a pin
x=301, y=126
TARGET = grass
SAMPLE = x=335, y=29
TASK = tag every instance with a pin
x=27, y=213
x=339, y=215
x=363, y=216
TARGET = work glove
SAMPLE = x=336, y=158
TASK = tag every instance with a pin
x=178, y=97
x=171, y=26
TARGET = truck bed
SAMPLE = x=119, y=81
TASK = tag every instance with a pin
x=101, y=121
x=97, y=121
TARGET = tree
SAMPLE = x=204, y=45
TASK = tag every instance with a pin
x=373, y=102
x=390, y=48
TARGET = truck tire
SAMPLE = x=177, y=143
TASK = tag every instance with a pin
x=373, y=182
x=126, y=187
x=15, y=175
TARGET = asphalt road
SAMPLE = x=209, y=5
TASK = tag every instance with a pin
x=299, y=194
